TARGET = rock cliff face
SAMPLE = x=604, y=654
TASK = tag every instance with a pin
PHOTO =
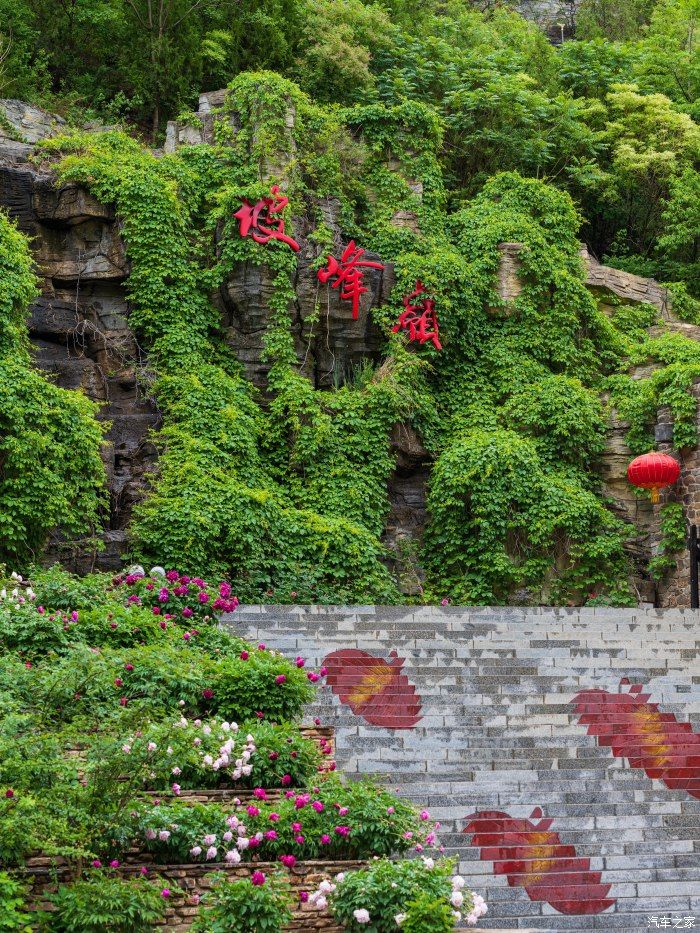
x=80, y=331
x=79, y=324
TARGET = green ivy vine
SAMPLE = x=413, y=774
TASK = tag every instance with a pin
x=287, y=491
x=51, y=473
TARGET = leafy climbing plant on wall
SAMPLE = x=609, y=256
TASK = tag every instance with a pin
x=51, y=472
x=288, y=493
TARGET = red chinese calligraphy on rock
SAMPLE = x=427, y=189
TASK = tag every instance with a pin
x=533, y=857
x=348, y=274
x=420, y=320
x=635, y=729
x=374, y=688
x=264, y=220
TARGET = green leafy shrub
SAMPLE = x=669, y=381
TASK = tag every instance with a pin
x=102, y=902
x=387, y=890
x=427, y=914
x=258, y=905
x=13, y=898
x=57, y=589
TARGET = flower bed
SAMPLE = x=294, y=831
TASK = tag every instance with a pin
x=194, y=881
x=140, y=753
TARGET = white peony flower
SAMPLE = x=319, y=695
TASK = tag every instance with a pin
x=456, y=899
x=458, y=882
x=361, y=915
x=399, y=918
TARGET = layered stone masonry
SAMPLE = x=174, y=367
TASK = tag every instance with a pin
x=583, y=807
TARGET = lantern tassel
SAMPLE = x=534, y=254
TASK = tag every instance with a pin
x=655, y=494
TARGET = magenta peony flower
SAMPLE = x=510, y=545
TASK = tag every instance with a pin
x=274, y=817
x=96, y=863
x=280, y=679
x=303, y=896
x=252, y=811
x=114, y=863
x=207, y=693
x=260, y=792
x=342, y=831
x=187, y=613
x=299, y=661
x=123, y=701
x=323, y=671
x=273, y=756
x=325, y=839
x=203, y=597
x=128, y=667
x=289, y=861
x=257, y=878
x=118, y=682
x=165, y=892
x=424, y=815
x=286, y=780
x=318, y=806
x=244, y=655
x=270, y=835
x=313, y=677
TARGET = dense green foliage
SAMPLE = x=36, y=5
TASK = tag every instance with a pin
x=482, y=130
x=50, y=466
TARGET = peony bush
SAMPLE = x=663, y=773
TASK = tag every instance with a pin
x=417, y=895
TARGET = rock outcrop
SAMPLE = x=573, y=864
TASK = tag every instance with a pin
x=80, y=331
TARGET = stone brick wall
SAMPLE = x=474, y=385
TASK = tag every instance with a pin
x=590, y=831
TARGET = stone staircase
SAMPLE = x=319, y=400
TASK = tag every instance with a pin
x=581, y=795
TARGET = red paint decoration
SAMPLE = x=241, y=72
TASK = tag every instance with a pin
x=348, y=273
x=653, y=471
x=533, y=857
x=419, y=319
x=264, y=220
x=373, y=688
x=635, y=729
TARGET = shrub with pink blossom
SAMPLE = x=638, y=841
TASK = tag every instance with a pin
x=187, y=599
x=260, y=904
x=331, y=821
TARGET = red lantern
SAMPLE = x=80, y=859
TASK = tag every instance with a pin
x=653, y=471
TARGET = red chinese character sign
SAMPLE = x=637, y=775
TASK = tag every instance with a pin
x=419, y=318
x=348, y=274
x=264, y=220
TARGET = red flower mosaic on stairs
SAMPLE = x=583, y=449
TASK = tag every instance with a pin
x=533, y=857
x=635, y=729
x=374, y=688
